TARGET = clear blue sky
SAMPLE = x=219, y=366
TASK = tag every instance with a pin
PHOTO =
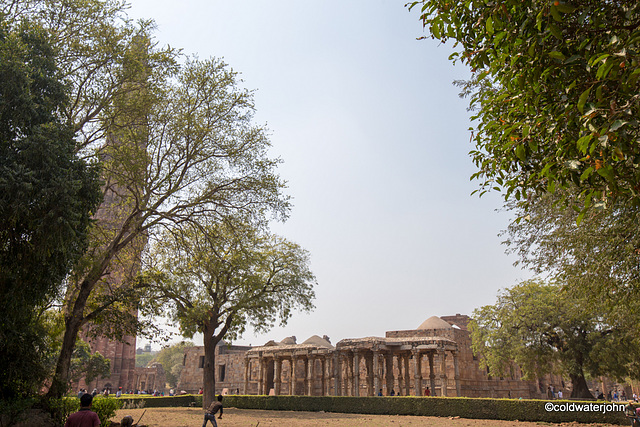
x=375, y=145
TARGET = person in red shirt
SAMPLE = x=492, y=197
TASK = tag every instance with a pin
x=427, y=392
x=85, y=417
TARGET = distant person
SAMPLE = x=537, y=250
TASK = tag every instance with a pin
x=393, y=393
x=85, y=417
x=631, y=413
x=380, y=392
x=210, y=414
x=80, y=393
x=559, y=394
x=200, y=391
x=427, y=392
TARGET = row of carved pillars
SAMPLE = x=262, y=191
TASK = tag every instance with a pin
x=311, y=378
x=343, y=367
x=379, y=368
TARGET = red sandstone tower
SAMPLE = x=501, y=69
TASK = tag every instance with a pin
x=120, y=206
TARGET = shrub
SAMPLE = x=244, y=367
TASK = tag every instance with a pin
x=106, y=408
x=61, y=408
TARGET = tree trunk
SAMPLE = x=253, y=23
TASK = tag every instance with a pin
x=60, y=381
x=73, y=322
x=209, y=374
x=580, y=388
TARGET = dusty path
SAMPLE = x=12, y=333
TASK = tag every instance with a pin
x=193, y=417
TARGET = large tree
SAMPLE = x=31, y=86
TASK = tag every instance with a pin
x=195, y=155
x=223, y=277
x=555, y=92
x=172, y=359
x=175, y=140
x=47, y=196
x=175, y=143
x=546, y=328
x=600, y=256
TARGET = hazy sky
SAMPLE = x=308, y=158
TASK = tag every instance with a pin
x=375, y=145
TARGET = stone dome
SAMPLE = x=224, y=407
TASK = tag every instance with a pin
x=318, y=342
x=289, y=341
x=434, y=322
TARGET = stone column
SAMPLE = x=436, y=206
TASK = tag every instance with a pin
x=368, y=362
x=349, y=376
x=376, y=372
x=443, y=372
x=401, y=387
x=407, y=376
x=388, y=362
x=292, y=376
x=432, y=375
x=356, y=373
x=337, y=375
x=246, y=376
x=260, y=375
x=310, y=364
x=325, y=373
x=417, y=372
x=456, y=373
x=277, y=369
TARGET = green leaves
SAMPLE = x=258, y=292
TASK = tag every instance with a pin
x=565, y=71
x=584, y=96
x=542, y=328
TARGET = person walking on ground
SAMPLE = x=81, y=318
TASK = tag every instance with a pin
x=85, y=417
x=210, y=414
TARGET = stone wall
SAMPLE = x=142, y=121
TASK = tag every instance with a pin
x=229, y=369
x=123, y=364
x=151, y=379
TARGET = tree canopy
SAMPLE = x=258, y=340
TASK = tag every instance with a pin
x=599, y=257
x=47, y=197
x=546, y=328
x=175, y=141
x=219, y=279
x=555, y=92
x=171, y=358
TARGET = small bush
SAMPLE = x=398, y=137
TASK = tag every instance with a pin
x=106, y=408
x=60, y=409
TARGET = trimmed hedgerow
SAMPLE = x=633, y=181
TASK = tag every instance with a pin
x=464, y=407
x=147, y=401
x=498, y=409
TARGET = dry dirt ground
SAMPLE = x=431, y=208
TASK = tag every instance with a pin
x=193, y=417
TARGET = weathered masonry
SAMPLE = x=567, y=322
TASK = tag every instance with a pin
x=436, y=357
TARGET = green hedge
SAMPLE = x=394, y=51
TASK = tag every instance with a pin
x=184, y=400
x=464, y=407
x=497, y=409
